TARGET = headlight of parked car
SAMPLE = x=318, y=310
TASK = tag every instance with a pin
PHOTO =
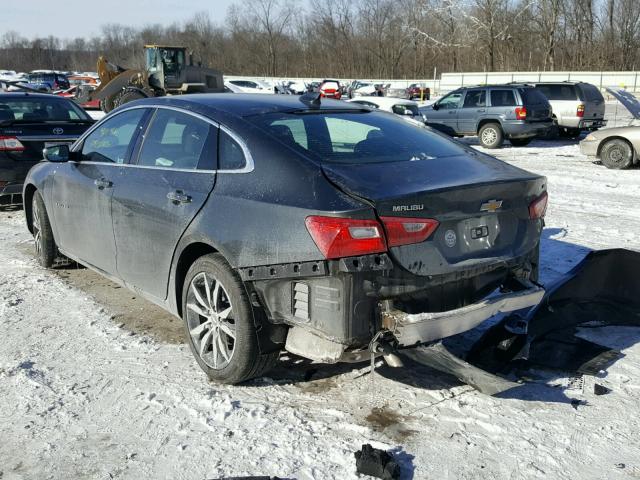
x=590, y=138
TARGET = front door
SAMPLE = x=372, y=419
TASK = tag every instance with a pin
x=443, y=115
x=83, y=189
x=158, y=195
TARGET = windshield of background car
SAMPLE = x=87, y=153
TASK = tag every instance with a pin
x=356, y=138
x=39, y=109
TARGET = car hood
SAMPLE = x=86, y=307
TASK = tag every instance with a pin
x=619, y=131
x=630, y=102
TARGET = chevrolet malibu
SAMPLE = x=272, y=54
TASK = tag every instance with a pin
x=300, y=223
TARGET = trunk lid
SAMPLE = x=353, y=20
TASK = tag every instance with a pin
x=14, y=165
x=482, y=205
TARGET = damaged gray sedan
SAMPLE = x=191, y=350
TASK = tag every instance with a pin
x=272, y=222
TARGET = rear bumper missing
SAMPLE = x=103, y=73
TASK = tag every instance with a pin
x=415, y=329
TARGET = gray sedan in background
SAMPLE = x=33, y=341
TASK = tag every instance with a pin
x=615, y=147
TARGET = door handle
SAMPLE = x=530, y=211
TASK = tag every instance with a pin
x=178, y=196
x=102, y=183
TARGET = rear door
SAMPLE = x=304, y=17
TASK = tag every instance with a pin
x=157, y=197
x=474, y=108
x=82, y=190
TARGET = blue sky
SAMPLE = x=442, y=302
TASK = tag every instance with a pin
x=81, y=18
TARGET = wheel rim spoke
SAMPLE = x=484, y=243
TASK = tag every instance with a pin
x=196, y=331
x=214, y=348
x=197, y=309
x=207, y=289
x=228, y=330
x=205, y=342
x=224, y=314
x=216, y=292
x=223, y=348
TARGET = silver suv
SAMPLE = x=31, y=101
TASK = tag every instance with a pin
x=576, y=106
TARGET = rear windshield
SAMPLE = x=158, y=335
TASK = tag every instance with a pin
x=356, y=138
x=590, y=93
x=558, y=91
x=40, y=109
x=531, y=96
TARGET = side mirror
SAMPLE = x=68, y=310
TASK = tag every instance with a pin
x=56, y=153
x=435, y=106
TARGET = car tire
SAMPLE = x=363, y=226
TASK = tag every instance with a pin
x=491, y=135
x=520, y=142
x=616, y=154
x=46, y=249
x=219, y=323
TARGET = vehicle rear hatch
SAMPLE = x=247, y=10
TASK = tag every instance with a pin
x=481, y=204
x=593, y=101
x=537, y=105
x=34, y=137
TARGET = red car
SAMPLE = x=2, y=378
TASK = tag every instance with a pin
x=416, y=90
x=330, y=89
x=71, y=93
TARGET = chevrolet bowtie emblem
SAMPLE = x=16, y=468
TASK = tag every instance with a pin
x=491, y=206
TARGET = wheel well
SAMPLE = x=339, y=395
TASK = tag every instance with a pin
x=187, y=257
x=487, y=120
x=27, y=202
x=604, y=142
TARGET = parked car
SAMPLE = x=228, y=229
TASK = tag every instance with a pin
x=405, y=108
x=419, y=90
x=330, y=89
x=72, y=94
x=516, y=112
x=615, y=147
x=55, y=81
x=247, y=86
x=208, y=217
x=576, y=106
x=361, y=89
x=28, y=123
x=83, y=80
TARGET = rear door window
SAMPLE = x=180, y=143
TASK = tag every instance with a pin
x=503, y=98
x=230, y=153
x=475, y=99
x=179, y=141
x=112, y=141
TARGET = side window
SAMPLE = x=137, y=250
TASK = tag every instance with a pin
x=290, y=131
x=451, y=101
x=177, y=140
x=503, y=98
x=230, y=153
x=475, y=99
x=111, y=140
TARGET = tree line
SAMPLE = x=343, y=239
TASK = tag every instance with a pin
x=366, y=38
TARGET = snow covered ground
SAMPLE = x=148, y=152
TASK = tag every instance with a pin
x=83, y=397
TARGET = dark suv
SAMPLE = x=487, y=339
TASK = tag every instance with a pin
x=266, y=222
x=55, y=81
x=516, y=112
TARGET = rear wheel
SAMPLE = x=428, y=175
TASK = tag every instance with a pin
x=616, y=154
x=220, y=324
x=491, y=135
x=520, y=142
x=42, y=234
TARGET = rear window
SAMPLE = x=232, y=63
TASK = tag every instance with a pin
x=590, y=93
x=532, y=96
x=39, y=109
x=558, y=91
x=356, y=138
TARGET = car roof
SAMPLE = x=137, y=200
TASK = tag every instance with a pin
x=30, y=95
x=244, y=104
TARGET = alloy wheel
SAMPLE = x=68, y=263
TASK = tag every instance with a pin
x=37, y=232
x=210, y=321
x=489, y=136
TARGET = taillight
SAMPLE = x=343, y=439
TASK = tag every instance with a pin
x=521, y=113
x=405, y=231
x=10, y=144
x=538, y=207
x=580, y=111
x=346, y=237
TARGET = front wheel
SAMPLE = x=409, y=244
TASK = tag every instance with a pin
x=616, y=154
x=220, y=324
x=42, y=233
x=491, y=135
